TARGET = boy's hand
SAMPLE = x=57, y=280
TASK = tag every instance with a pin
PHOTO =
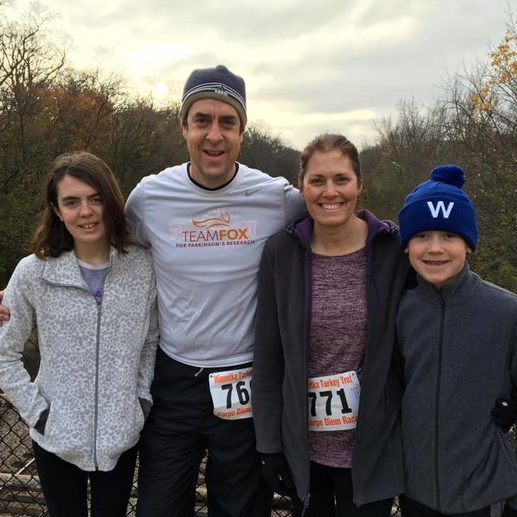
x=4, y=311
x=505, y=412
x=509, y=511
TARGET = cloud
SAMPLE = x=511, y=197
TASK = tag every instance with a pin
x=305, y=64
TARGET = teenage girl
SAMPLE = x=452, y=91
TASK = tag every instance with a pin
x=92, y=296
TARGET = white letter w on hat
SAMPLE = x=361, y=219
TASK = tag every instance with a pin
x=435, y=210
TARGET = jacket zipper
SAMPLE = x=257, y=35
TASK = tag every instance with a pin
x=97, y=352
x=97, y=366
x=371, y=280
x=305, y=343
x=437, y=400
x=96, y=413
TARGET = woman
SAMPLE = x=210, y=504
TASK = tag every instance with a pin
x=93, y=297
x=327, y=299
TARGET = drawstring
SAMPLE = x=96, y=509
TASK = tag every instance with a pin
x=199, y=371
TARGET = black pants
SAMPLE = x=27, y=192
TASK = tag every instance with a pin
x=179, y=430
x=410, y=508
x=332, y=496
x=65, y=486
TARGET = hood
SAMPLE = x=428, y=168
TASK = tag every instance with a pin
x=303, y=229
x=64, y=270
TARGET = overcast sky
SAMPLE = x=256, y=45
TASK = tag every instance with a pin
x=309, y=66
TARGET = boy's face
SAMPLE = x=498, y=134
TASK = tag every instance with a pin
x=437, y=256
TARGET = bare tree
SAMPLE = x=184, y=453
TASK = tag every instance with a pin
x=481, y=116
x=266, y=152
x=405, y=152
x=30, y=59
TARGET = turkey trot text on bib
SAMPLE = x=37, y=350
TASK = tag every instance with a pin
x=334, y=402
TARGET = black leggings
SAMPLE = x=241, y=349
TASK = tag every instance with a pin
x=332, y=496
x=65, y=486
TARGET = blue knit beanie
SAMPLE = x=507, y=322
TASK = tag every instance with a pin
x=215, y=83
x=439, y=204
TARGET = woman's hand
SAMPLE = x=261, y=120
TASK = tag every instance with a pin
x=277, y=474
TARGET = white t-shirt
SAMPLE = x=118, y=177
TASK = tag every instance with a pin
x=206, y=248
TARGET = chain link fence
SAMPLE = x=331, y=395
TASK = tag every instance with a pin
x=20, y=491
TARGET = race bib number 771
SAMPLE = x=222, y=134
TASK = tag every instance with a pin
x=231, y=393
x=334, y=402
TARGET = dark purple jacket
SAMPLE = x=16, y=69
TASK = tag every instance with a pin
x=280, y=406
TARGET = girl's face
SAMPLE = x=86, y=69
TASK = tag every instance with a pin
x=81, y=209
x=330, y=188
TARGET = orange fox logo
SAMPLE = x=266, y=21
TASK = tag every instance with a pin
x=224, y=220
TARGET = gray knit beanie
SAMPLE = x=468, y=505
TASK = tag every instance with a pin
x=215, y=83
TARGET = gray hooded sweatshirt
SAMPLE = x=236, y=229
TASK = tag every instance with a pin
x=459, y=345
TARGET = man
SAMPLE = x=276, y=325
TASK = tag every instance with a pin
x=206, y=222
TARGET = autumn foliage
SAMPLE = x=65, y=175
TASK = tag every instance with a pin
x=47, y=108
x=473, y=124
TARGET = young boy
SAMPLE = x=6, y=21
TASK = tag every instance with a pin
x=458, y=339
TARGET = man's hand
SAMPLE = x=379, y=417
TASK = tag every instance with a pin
x=505, y=411
x=277, y=474
x=4, y=311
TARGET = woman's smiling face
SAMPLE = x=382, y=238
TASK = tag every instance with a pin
x=330, y=188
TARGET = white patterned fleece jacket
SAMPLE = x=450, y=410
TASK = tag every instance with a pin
x=96, y=362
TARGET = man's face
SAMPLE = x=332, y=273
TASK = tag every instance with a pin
x=437, y=256
x=212, y=133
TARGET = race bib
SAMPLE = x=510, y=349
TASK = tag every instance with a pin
x=334, y=402
x=231, y=393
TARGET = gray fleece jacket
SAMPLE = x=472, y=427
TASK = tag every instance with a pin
x=96, y=362
x=459, y=345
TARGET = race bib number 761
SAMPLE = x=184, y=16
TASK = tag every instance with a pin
x=231, y=393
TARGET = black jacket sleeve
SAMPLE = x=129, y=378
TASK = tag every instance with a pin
x=268, y=362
